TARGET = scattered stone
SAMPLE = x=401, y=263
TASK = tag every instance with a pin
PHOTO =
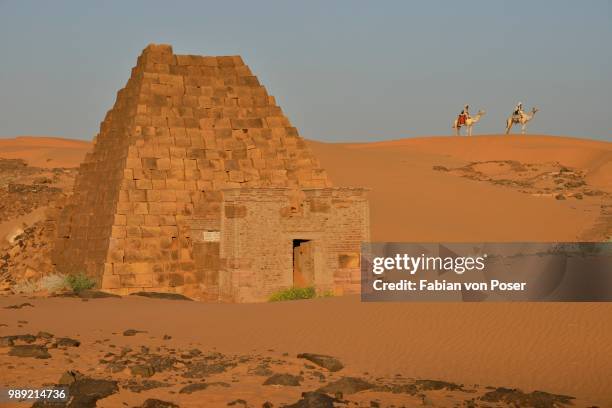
x=267, y=404
x=132, y=332
x=538, y=399
x=203, y=369
x=314, y=399
x=6, y=341
x=30, y=350
x=346, y=385
x=145, y=385
x=69, y=377
x=86, y=391
x=428, y=385
x=328, y=362
x=161, y=363
x=64, y=342
x=261, y=370
x=20, y=306
x=44, y=335
x=87, y=294
x=22, y=338
x=191, y=388
x=283, y=379
x=156, y=403
x=410, y=389
x=237, y=402
x=162, y=295
x=143, y=370
x=167, y=337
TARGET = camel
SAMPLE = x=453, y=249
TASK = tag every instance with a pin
x=469, y=122
x=523, y=120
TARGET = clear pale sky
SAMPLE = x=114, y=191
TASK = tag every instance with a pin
x=341, y=70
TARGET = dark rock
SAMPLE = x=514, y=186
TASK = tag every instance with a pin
x=22, y=305
x=410, y=389
x=86, y=391
x=328, y=362
x=94, y=387
x=161, y=363
x=29, y=350
x=145, y=385
x=314, y=399
x=22, y=338
x=132, y=332
x=69, y=377
x=143, y=370
x=116, y=366
x=95, y=294
x=155, y=403
x=63, y=342
x=202, y=369
x=6, y=341
x=346, y=385
x=44, y=335
x=188, y=389
x=267, y=404
x=428, y=385
x=237, y=402
x=261, y=370
x=283, y=379
x=162, y=295
x=536, y=399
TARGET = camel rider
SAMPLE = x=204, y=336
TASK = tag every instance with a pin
x=464, y=115
x=518, y=111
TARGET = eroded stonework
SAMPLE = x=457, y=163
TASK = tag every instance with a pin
x=198, y=184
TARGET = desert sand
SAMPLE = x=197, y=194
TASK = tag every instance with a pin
x=558, y=348
x=484, y=188
x=44, y=151
x=410, y=201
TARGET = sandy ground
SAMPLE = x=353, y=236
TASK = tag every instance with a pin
x=42, y=151
x=559, y=348
x=554, y=347
x=410, y=201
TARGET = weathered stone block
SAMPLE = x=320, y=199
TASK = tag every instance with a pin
x=235, y=211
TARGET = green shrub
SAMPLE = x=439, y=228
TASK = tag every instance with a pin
x=294, y=294
x=79, y=282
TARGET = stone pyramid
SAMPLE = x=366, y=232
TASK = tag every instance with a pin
x=181, y=131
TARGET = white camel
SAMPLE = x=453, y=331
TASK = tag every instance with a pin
x=469, y=123
x=521, y=119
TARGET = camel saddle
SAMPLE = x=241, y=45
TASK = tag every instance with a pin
x=461, y=120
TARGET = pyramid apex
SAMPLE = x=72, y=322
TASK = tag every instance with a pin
x=158, y=48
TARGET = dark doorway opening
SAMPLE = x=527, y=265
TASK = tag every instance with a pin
x=303, y=263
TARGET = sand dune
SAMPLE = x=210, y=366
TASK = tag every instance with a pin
x=41, y=151
x=410, y=201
